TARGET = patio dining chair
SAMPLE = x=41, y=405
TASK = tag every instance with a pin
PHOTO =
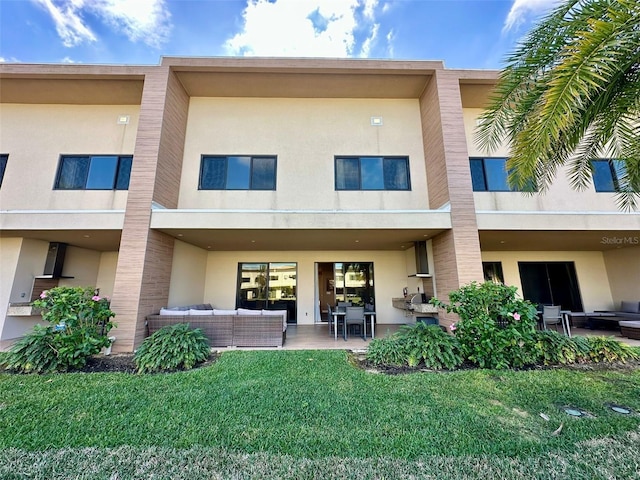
x=551, y=316
x=354, y=316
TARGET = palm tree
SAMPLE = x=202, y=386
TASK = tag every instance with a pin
x=570, y=92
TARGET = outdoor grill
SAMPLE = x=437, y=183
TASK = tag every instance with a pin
x=415, y=304
x=413, y=299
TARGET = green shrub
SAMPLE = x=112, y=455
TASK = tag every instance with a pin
x=79, y=323
x=553, y=348
x=608, y=349
x=496, y=329
x=386, y=351
x=33, y=353
x=414, y=345
x=429, y=344
x=171, y=348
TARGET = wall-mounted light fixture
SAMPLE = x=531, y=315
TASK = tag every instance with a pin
x=123, y=119
x=376, y=121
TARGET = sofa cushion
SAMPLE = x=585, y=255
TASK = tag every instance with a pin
x=247, y=311
x=630, y=324
x=630, y=307
x=174, y=312
x=200, y=306
x=224, y=312
x=201, y=313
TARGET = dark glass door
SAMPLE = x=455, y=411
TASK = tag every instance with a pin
x=551, y=283
x=268, y=286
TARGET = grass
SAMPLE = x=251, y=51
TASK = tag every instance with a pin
x=310, y=414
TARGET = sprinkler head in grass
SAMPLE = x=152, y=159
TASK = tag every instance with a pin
x=574, y=412
x=619, y=409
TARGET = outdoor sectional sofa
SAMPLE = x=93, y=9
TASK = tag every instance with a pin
x=628, y=318
x=228, y=328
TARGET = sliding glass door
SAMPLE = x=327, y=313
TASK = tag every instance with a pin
x=354, y=283
x=269, y=286
x=551, y=283
x=343, y=282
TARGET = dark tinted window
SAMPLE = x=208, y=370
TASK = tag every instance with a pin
x=372, y=173
x=607, y=174
x=491, y=175
x=237, y=173
x=3, y=166
x=97, y=172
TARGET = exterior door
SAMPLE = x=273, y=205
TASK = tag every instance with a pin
x=551, y=283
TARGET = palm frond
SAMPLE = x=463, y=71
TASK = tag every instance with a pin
x=564, y=90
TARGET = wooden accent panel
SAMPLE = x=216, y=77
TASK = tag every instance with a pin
x=456, y=252
x=144, y=264
x=171, y=151
x=41, y=284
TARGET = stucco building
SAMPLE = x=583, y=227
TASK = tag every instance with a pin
x=297, y=182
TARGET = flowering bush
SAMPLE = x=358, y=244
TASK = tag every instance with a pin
x=496, y=329
x=79, y=321
x=73, y=308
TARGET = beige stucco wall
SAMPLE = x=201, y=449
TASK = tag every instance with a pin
x=107, y=273
x=21, y=259
x=35, y=136
x=623, y=270
x=390, y=277
x=188, y=273
x=590, y=270
x=559, y=197
x=305, y=134
x=83, y=265
x=33, y=254
x=9, y=255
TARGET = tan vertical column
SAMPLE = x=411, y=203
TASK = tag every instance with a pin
x=143, y=273
x=457, y=257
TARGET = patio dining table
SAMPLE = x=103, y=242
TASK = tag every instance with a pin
x=335, y=313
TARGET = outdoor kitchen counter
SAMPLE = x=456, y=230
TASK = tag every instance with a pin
x=402, y=304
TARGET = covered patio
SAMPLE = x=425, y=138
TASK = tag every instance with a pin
x=316, y=337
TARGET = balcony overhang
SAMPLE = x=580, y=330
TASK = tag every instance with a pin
x=302, y=78
x=230, y=230
x=93, y=229
x=558, y=231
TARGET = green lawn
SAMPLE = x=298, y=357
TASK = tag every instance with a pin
x=311, y=414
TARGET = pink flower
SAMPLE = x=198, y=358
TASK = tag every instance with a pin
x=452, y=327
x=96, y=298
x=516, y=316
x=44, y=294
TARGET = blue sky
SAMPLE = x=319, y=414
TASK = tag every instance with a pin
x=462, y=33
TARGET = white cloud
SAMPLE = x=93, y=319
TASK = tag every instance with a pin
x=523, y=10
x=69, y=24
x=390, y=38
x=303, y=28
x=140, y=20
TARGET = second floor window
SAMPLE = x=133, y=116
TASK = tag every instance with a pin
x=94, y=172
x=3, y=166
x=491, y=175
x=607, y=174
x=372, y=173
x=237, y=173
